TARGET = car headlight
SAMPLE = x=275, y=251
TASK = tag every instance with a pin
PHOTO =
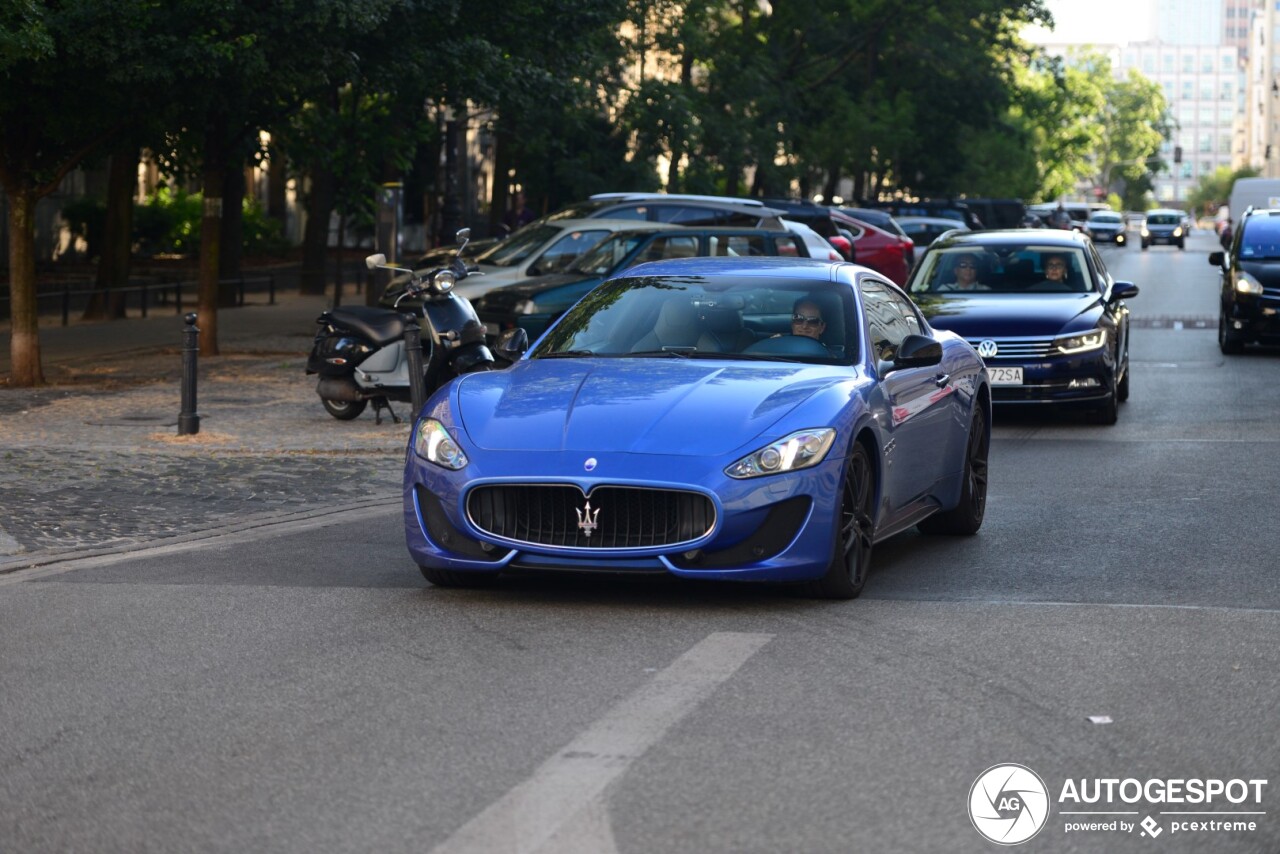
x=1085, y=341
x=800, y=450
x=443, y=281
x=1145, y=233
x=434, y=444
x=1246, y=284
x=1177, y=232
x=525, y=306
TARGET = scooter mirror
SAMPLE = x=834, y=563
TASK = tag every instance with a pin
x=463, y=235
x=373, y=262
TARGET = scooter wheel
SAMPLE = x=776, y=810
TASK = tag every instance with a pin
x=344, y=410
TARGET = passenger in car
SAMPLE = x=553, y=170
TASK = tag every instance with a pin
x=966, y=275
x=1055, y=275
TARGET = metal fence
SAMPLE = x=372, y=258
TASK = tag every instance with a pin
x=160, y=295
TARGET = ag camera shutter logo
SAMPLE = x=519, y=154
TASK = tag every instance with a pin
x=1008, y=804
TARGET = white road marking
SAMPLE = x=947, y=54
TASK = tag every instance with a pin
x=561, y=807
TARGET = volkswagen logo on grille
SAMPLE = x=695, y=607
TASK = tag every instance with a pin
x=590, y=464
x=587, y=519
x=987, y=349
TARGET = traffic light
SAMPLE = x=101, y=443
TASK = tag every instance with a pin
x=1177, y=154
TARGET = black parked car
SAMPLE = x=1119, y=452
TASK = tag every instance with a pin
x=1250, y=303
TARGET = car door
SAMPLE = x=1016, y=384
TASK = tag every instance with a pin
x=919, y=403
x=1117, y=311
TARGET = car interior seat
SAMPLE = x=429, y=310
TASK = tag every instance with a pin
x=675, y=326
x=721, y=326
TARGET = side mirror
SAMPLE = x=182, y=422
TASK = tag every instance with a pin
x=842, y=245
x=373, y=262
x=918, y=351
x=512, y=344
x=1123, y=290
x=1216, y=258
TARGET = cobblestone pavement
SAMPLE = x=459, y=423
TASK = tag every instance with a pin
x=94, y=460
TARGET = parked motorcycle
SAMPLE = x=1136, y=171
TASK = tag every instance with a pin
x=360, y=353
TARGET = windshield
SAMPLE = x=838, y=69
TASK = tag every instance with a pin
x=1164, y=219
x=1261, y=239
x=1029, y=268
x=581, y=210
x=608, y=254
x=755, y=318
x=1106, y=219
x=518, y=246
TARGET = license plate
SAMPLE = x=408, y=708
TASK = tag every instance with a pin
x=491, y=329
x=1005, y=376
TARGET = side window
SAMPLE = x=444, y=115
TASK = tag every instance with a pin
x=738, y=244
x=685, y=215
x=890, y=318
x=681, y=246
x=566, y=250
x=790, y=246
x=637, y=212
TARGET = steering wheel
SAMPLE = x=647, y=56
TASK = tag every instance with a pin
x=788, y=345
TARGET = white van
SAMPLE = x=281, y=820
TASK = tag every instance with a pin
x=1253, y=192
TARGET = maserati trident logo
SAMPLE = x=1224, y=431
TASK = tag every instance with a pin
x=987, y=348
x=587, y=519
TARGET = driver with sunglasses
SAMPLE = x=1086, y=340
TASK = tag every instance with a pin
x=966, y=273
x=806, y=321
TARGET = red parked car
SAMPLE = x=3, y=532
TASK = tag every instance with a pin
x=883, y=251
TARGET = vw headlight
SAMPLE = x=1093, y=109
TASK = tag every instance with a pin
x=443, y=281
x=525, y=306
x=1145, y=233
x=1246, y=284
x=434, y=444
x=800, y=450
x=1082, y=343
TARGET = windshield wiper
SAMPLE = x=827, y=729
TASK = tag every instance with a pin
x=567, y=354
x=669, y=352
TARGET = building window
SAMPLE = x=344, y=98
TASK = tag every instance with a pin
x=1206, y=143
x=1149, y=63
x=1206, y=63
x=1184, y=169
x=1188, y=90
x=1226, y=91
x=1224, y=143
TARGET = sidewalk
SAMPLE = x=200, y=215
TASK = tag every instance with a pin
x=93, y=459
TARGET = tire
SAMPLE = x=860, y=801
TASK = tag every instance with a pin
x=851, y=546
x=1122, y=390
x=966, y=517
x=1145, y=246
x=1182, y=246
x=344, y=410
x=449, y=578
x=1108, y=412
x=1229, y=344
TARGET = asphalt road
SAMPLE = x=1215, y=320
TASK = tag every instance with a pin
x=298, y=687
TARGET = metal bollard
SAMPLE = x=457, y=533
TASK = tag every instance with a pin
x=413, y=352
x=188, y=420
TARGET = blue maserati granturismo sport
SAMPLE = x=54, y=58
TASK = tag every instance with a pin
x=752, y=419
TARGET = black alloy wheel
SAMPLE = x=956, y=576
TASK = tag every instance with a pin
x=344, y=410
x=851, y=552
x=1229, y=344
x=966, y=517
x=1108, y=411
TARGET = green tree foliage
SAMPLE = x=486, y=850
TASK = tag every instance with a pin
x=1214, y=190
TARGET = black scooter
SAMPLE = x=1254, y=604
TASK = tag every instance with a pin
x=360, y=354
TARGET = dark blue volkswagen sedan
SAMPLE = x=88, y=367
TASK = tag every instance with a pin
x=1042, y=311
x=752, y=419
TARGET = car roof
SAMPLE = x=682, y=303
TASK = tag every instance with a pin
x=679, y=197
x=754, y=266
x=933, y=220
x=1015, y=237
x=1165, y=211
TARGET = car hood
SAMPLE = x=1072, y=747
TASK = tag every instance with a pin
x=531, y=287
x=634, y=405
x=1012, y=315
x=1266, y=272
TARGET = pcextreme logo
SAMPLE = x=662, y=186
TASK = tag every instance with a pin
x=1009, y=804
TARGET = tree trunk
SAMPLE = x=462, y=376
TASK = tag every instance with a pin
x=24, y=341
x=315, y=241
x=277, y=185
x=117, y=245
x=231, y=240
x=210, y=251
x=503, y=143
x=339, y=253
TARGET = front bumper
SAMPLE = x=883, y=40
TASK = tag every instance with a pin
x=1061, y=380
x=1255, y=319
x=778, y=528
